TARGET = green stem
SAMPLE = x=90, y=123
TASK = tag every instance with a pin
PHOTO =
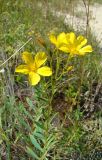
x=64, y=68
x=80, y=81
x=57, y=64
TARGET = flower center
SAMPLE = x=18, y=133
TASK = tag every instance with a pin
x=73, y=49
x=32, y=67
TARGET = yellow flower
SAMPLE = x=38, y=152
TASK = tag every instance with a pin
x=77, y=45
x=59, y=41
x=33, y=68
x=69, y=43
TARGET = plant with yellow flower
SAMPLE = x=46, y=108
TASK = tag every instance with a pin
x=66, y=42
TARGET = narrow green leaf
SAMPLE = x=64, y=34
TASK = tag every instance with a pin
x=25, y=124
x=35, y=143
x=31, y=153
x=39, y=135
x=30, y=103
x=39, y=126
x=50, y=141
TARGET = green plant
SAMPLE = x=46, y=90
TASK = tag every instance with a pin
x=60, y=118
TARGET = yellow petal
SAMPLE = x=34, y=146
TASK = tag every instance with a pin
x=22, y=69
x=68, y=36
x=85, y=49
x=34, y=78
x=53, y=39
x=40, y=58
x=72, y=37
x=81, y=38
x=44, y=71
x=61, y=38
x=64, y=49
x=81, y=41
x=27, y=57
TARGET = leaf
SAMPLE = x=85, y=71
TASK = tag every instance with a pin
x=31, y=105
x=25, y=124
x=31, y=153
x=39, y=126
x=38, y=135
x=50, y=141
x=35, y=143
x=27, y=114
